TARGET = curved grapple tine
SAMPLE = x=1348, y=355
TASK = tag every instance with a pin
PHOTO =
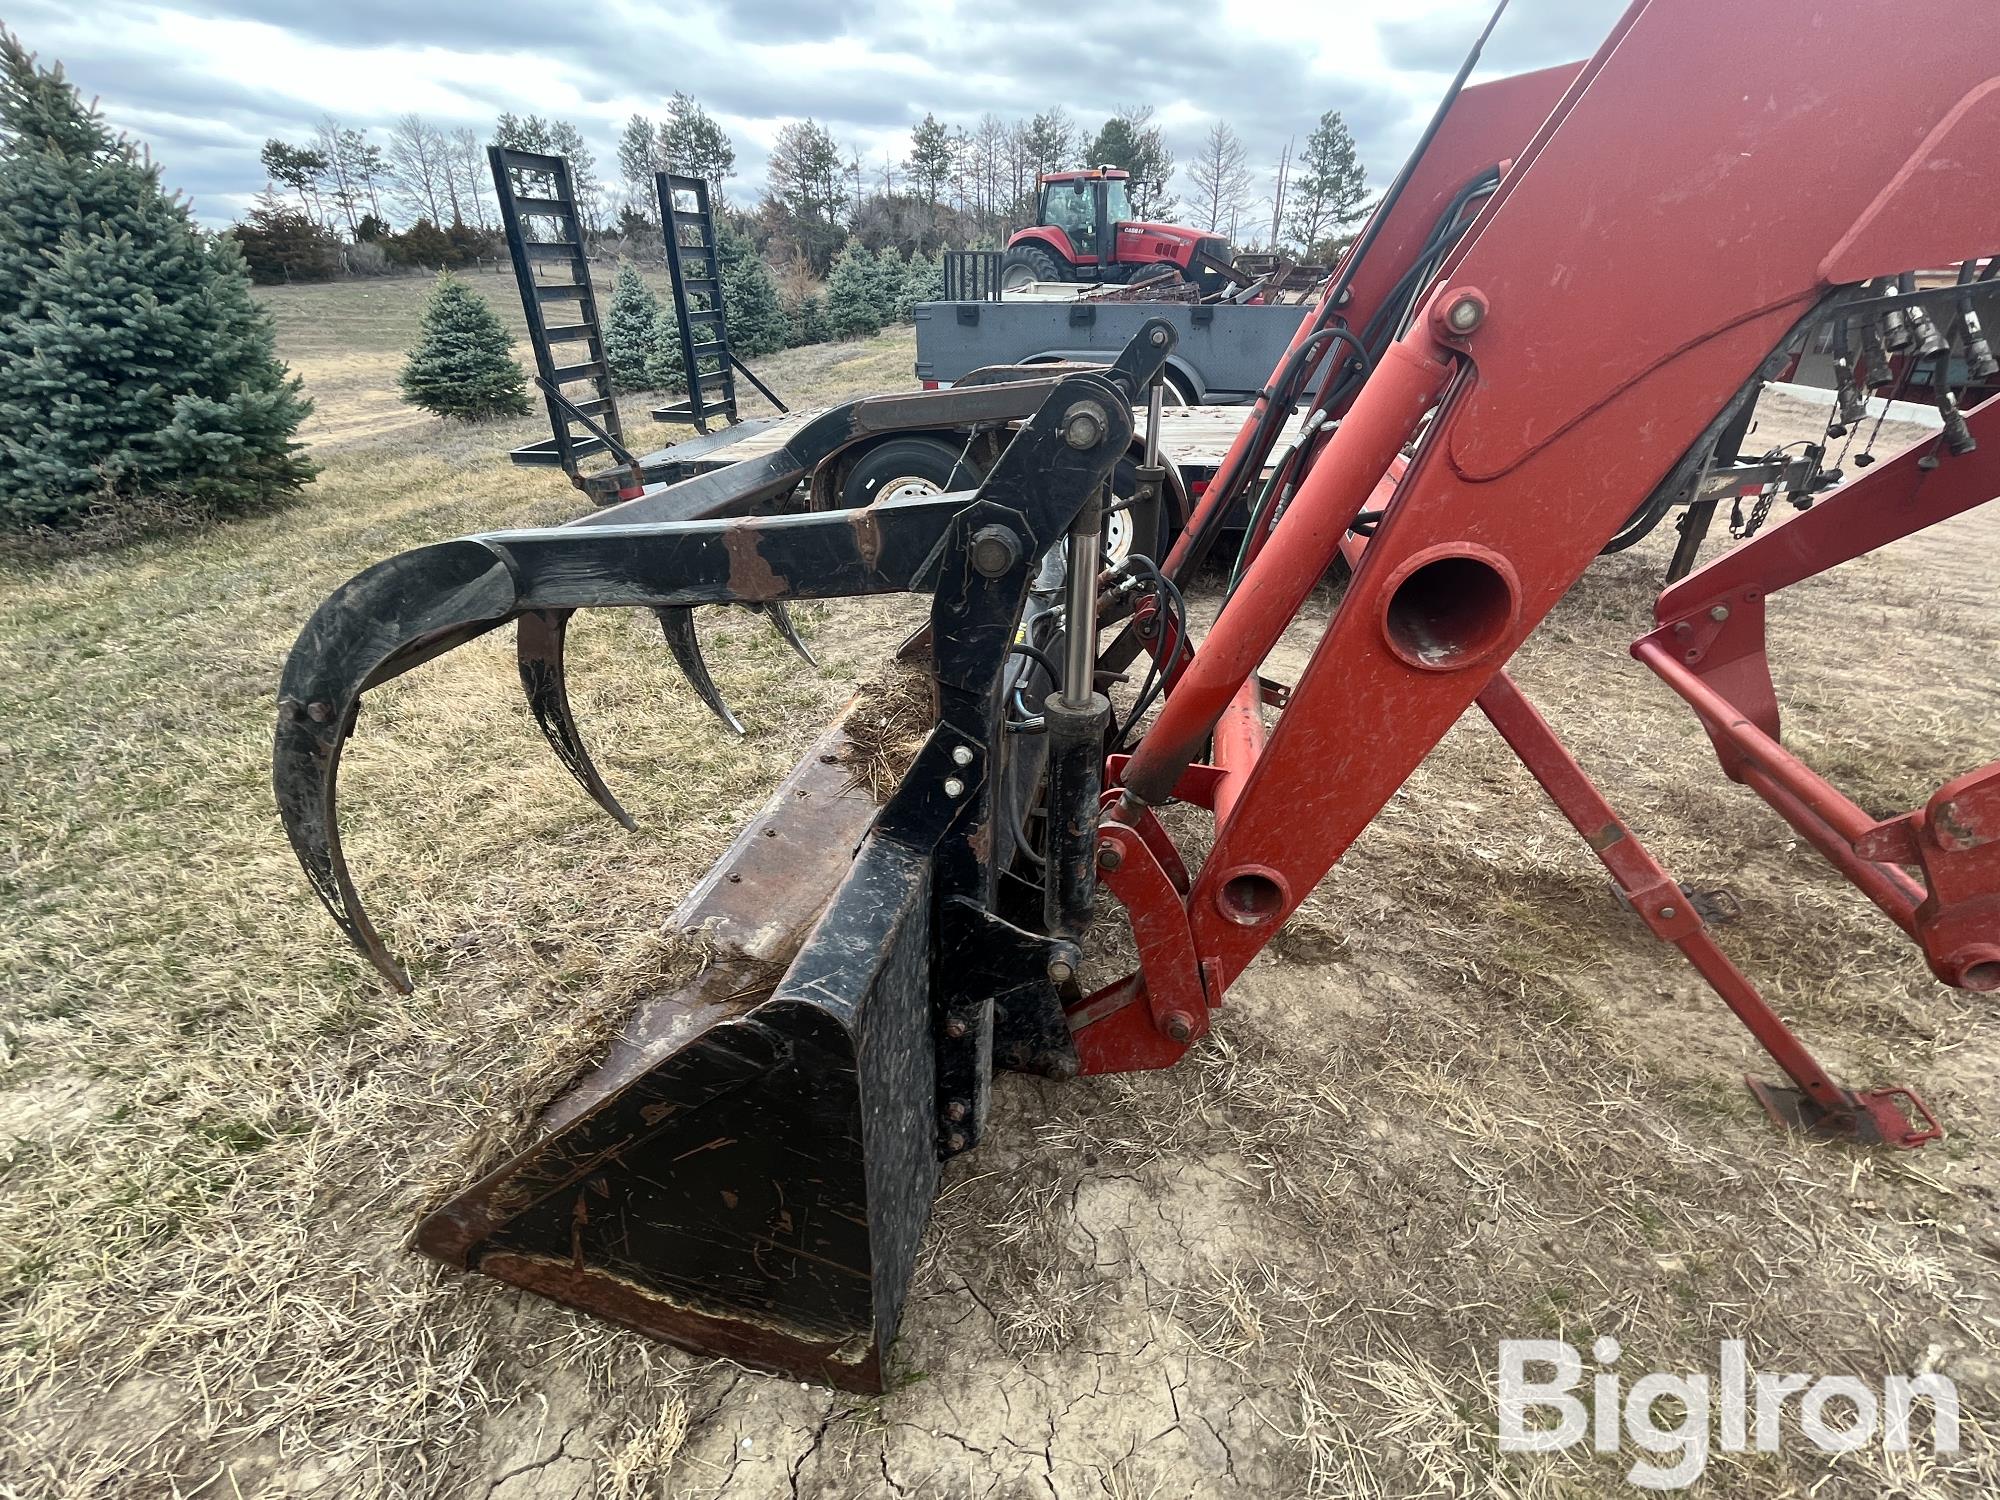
x=384, y=621
x=677, y=624
x=780, y=617
x=538, y=646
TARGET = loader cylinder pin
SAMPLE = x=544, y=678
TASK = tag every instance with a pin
x=1465, y=313
x=995, y=549
x=1084, y=424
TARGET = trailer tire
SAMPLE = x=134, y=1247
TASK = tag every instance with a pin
x=907, y=466
x=1028, y=263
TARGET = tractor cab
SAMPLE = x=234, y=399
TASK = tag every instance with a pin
x=1087, y=207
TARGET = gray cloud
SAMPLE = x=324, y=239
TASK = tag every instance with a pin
x=205, y=118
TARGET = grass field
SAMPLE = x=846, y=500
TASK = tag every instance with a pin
x=1464, y=1098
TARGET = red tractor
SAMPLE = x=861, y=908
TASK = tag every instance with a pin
x=1084, y=231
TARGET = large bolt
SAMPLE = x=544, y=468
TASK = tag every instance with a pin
x=953, y=787
x=1061, y=971
x=1084, y=425
x=954, y=1029
x=995, y=549
x=1466, y=312
x=961, y=755
x=319, y=713
x=955, y=1111
x=1158, y=336
x=1719, y=613
x=1179, y=1025
x=1109, y=856
x=955, y=1141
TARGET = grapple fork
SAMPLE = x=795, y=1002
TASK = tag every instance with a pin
x=749, y=1170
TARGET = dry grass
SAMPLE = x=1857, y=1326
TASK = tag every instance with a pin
x=1467, y=1099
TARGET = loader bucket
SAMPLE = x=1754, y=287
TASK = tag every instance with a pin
x=748, y=1173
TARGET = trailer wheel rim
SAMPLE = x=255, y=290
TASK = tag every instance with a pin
x=906, y=487
x=1117, y=537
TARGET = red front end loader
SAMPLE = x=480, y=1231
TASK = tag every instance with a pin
x=1558, y=311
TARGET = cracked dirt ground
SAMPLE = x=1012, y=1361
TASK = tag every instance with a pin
x=1465, y=1097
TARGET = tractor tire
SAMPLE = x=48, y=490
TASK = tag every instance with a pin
x=906, y=467
x=1030, y=263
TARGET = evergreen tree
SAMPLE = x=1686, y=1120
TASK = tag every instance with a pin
x=632, y=329
x=1328, y=187
x=749, y=296
x=923, y=282
x=1130, y=140
x=463, y=365
x=929, y=161
x=808, y=320
x=888, y=273
x=692, y=143
x=281, y=244
x=666, y=368
x=853, y=302
x=133, y=360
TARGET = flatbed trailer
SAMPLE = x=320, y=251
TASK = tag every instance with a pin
x=1193, y=441
x=1224, y=354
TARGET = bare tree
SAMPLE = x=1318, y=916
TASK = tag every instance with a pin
x=467, y=165
x=566, y=141
x=342, y=174
x=420, y=158
x=1221, y=179
x=1278, y=193
x=989, y=160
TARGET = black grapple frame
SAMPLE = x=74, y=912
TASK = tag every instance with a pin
x=750, y=1169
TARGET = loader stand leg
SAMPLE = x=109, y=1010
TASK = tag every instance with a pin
x=1891, y=1116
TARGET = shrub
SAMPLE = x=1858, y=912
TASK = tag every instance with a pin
x=463, y=365
x=136, y=371
x=281, y=244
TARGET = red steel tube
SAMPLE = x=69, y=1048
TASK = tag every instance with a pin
x=1406, y=384
x=1800, y=795
x=1239, y=740
x=1639, y=875
x=1888, y=887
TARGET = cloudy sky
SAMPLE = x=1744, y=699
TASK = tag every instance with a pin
x=204, y=82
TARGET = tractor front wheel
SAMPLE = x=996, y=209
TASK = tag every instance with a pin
x=1026, y=264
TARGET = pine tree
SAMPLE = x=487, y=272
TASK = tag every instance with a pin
x=749, y=296
x=853, y=304
x=632, y=329
x=923, y=282
x=463, y=365
x=133, y=361
x=808, y=321
x=889, y=272
x=666, y=367
x=1328, y=188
